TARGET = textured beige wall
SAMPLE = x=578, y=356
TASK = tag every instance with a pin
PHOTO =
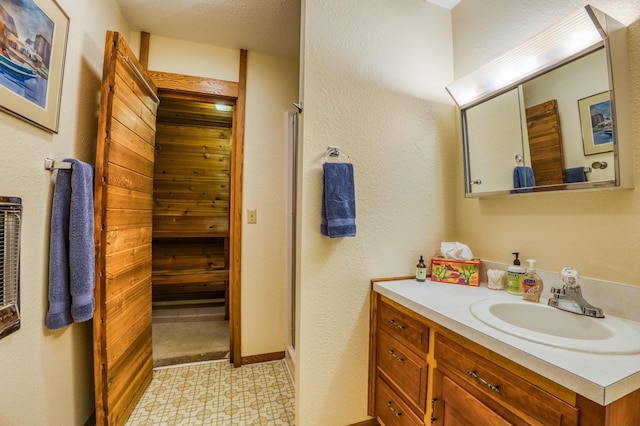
x=190, y=58
x=272, y=87
x=598, y=232
x=47, y=376
x=374, y=73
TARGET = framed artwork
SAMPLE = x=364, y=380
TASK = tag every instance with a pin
x=33, y=38
x=595, y=120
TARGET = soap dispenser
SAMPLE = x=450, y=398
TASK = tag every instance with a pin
x=515, y=273
x=421, y=270
x=531, y=284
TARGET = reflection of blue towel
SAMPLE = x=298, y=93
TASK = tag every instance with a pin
x=523, y=177
x=575, y=174
x=71, y=250
x=338, y=201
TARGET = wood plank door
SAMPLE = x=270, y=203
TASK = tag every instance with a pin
x=123, y=219
x=545, y=143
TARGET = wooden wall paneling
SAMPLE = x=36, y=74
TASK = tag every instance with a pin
x=189, y=267
x=188, y=253
x=191, y=180
x=123, y=217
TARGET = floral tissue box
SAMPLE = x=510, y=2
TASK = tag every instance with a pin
x=455, y=271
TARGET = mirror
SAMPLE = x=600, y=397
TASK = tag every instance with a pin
x=561, y=127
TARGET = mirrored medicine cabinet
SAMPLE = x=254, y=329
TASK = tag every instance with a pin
x=551, y=114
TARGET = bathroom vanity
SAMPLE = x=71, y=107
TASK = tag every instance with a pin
x=433, y=362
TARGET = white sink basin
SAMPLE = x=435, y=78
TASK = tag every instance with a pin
x=544, y=324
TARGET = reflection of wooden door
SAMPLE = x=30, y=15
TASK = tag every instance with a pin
x=545, y=143
x=123, y=219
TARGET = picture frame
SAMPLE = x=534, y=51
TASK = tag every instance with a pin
x=596, y=123
x=33, y=42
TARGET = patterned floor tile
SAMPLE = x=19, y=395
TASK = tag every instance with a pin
x=217, y=394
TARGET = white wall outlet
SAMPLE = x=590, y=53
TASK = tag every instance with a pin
x=252, y=216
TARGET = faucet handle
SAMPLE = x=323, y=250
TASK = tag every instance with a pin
x=570, y=277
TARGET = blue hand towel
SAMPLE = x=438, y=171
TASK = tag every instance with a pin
x=81, y=242
x=338, y=201
x=523, y=177
x=575, y=174
x=71, y=251
x=59, y=314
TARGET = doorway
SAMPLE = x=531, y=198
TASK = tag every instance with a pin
x=190, y=248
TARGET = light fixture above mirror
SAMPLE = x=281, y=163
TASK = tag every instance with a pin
x=563, y=41
x=555, y=80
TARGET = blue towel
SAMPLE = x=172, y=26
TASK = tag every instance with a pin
x=338, y=201
x=71, y=247
x=523, y=177
x=575, y=174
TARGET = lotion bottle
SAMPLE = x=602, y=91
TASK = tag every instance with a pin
x=515, y=273
x=531, y=284
x=421, y=270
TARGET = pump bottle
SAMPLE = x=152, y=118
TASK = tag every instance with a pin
x=515, y=273
x=531, y=284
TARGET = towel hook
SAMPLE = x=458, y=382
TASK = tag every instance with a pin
x=518, y=158
x=333, y=151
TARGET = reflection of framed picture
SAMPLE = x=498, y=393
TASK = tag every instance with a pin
x=595, y=120
x=33, y=38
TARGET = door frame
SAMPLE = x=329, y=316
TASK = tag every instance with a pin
x=206, y=89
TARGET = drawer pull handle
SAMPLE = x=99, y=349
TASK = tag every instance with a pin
x=433, y=417
x=396, y=325
x=483, y=382
x=393, y=410
x=393, y=354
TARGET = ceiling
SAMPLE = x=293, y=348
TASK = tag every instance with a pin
x=270, y=27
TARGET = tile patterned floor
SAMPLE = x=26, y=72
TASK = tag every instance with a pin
x=216, y=393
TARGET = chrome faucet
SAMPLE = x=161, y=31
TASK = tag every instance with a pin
x=569, y=297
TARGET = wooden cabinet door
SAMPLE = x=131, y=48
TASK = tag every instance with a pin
x=457, y=407
x=123, y=218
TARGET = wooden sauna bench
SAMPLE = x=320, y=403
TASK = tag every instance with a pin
x=191, y=268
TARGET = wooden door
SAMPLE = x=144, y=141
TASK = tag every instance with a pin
x=545, y=143
x=123, y=219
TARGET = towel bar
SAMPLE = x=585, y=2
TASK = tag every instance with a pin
x=50, y=164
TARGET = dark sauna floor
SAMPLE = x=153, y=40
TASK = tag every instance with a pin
x=186, y=332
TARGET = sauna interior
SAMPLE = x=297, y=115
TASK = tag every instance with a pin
x=191, y=219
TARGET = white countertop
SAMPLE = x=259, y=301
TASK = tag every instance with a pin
x=602, y=378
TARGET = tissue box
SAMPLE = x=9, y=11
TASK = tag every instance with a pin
x=455, y=271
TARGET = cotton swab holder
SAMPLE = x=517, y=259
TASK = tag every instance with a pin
x=495, y=278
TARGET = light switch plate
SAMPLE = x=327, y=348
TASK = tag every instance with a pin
x=252, y=216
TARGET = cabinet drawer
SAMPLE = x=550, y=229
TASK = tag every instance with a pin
x=403, y=327
x=391, y=409
x=498, y=387
x=460, y=407
x=404, y=368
